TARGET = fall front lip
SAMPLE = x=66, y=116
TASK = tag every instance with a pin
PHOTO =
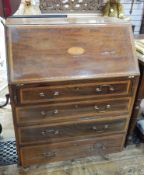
x=40, y=16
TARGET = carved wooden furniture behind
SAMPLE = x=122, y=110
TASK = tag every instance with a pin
x=72, y=84
x=70, y=6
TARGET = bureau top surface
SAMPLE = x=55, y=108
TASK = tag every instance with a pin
x=60, y=49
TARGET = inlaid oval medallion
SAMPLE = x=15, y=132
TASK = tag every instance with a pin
x=76, y=51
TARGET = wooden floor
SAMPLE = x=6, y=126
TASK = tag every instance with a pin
x=129, y=162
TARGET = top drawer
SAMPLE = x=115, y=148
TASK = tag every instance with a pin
x=38, y=94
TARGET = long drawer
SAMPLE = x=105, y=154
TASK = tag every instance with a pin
x=33, y=95
x=69, y=131
x=68, y=111
x=71, y=150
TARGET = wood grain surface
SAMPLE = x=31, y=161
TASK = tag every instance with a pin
x=72, y=85
x=38, y=53
x=71, y=150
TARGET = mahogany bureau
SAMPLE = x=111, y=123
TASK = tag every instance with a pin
x=72, y=84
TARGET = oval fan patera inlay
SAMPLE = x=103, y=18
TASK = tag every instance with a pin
x=76, y=51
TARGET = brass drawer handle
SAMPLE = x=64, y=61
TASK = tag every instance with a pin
x=98, y=89
x=56, y=111
x=42, y=94
x=108, y=106
x=49, y=154
x=50, y=131
x=77, y=88
x=96, y=107
x=103, y=108
x=101, y=130
x=100, y=148
x=56, y=93
x=110, y=88
x=43, y=113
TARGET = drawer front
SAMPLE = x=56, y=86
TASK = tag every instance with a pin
x=32, y=95
x=57, y=133
x=68, y=111
x=71, y=150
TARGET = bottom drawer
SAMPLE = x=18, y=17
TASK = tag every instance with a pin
x=71, y=150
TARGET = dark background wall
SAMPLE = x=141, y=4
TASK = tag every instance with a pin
x=1, y=8
x=5, y=4
x=142, y=26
